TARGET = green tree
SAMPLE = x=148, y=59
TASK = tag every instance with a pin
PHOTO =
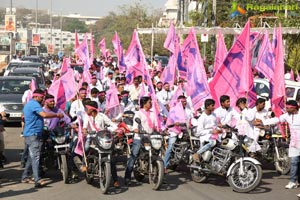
x=73, y=25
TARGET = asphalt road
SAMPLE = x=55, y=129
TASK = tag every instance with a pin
x=178, y=185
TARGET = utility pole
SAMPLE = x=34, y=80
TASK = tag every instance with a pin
x=60, y=42
x=51, y=22
x=11, y=35
x=36, y=14
x=213, y=24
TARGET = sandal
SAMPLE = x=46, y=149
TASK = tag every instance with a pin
x=40, y=183
x=27, y=180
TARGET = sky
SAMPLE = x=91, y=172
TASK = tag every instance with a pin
x=83, y=7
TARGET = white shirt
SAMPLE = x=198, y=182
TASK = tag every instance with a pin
x=144, y=121
x=225, y=116
x=164, y=96
x=134, y=92
x=97, y=123
x=77, y=108
x=26, y=95
x=98, y=86
x=206, y=124
x=294, y=124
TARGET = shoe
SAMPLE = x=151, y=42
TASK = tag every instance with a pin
x=27, y=180
x=196, y=157
x=116, y=184
x=291, y=185
x=40, y=184
x=127, y=182
x=83, y=169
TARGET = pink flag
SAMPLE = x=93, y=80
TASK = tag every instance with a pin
x=119, y=52
x=76, y=40
x=279, y=84
x=83, y=52
x=112, y=99
x=176, y=114
x=65, y=66
x=102, y=47
x=196, y=76
x=92, y=48
x=159, y=67
x=69, y=83
x=221, y=52
x=171, y=38
x=234, y=77
x=175, y=96
x=58, y=91
x=292, y=75
x=265, y=62
x=80, y=143
x=169, y=73
x=298, y=77
x=135, y=59
x=32, y=88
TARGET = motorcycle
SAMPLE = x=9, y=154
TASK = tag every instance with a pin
x=149, y=161
x=57, y=147
x=124, y=134
x=180, y=152
x=274, y=148
x=98, y=158
x=228, y=159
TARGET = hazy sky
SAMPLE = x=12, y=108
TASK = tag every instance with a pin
x=83, y=7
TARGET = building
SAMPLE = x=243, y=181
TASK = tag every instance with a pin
x=88, y=20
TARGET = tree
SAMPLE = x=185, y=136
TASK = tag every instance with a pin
x=73, y=25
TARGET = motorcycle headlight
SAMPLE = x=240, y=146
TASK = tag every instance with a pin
x=248, y=141
x=60, y=139
x=104, y=143
x=156, y=143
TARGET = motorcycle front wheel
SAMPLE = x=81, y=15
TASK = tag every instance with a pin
x=64, y=169
x=249, y=180
x=282, y=165
x=105, y=176
x=157, y=175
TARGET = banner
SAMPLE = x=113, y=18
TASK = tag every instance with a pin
x=36, y=39
x=50, y=49
x=10, y=23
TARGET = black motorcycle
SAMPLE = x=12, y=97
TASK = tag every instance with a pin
x=274, y=148
x=98, y=158
x=149, y=161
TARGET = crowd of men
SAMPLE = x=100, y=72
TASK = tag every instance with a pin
x=90, y=105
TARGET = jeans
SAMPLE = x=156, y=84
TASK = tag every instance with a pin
x=294, y=169
x=171, y=141
x=207, y=146
x=136, y=145
x=33, y=143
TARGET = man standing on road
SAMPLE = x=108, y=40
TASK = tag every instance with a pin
x=33, y=115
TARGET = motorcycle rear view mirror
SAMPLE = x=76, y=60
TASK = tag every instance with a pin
x=138, y=120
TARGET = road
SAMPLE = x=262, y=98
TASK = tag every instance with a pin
x=178, y=186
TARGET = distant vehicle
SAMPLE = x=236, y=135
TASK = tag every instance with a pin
x=163, y=59
x=30, y=72
x=32, y=58
x=12, y=89
x=292, y=88
x=23, y=64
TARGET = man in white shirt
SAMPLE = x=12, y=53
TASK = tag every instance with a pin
x=260, y=114
x=149, y=124
x=95, y=83
x=207, y=128
x=165, y=95
x=77, y=107
x=134, y=89
x=225, y=114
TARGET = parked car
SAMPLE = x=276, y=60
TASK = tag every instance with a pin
x=32, y=58
x=23, y=64
x=292, y=88
x=30, y=72
x=163, y=59
x=12, y=89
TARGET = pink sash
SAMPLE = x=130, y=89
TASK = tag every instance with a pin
x=147, y=114
x=93, y=124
